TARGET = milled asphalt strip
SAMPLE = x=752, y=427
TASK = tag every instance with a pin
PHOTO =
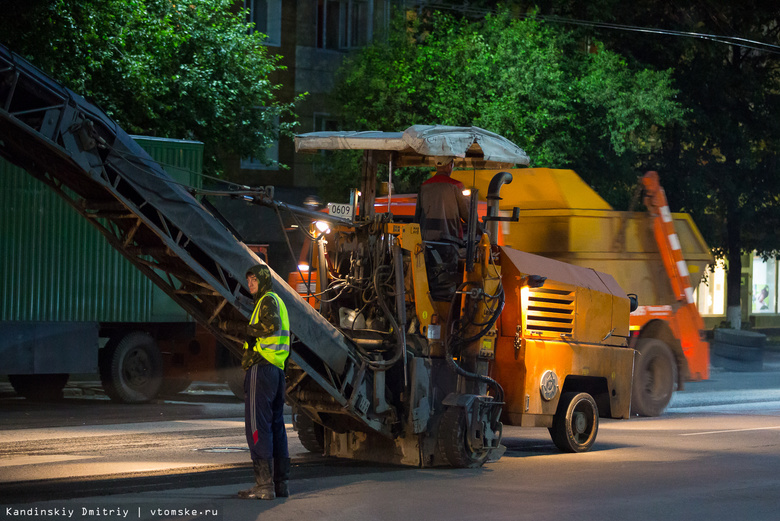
x=306, y=467
x=83, y=431
x=76, y=487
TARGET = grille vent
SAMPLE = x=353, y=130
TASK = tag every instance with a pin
x=550, y=312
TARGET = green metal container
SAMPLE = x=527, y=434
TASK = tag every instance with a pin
x=55, y=266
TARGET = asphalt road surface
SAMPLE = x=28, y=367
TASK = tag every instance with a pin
x=714, y=455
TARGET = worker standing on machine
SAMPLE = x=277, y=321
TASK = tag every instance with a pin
x=442, y=209
x=266, y=349
x=443, y=213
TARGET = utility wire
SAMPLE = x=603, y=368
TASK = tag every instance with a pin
x=728, y=40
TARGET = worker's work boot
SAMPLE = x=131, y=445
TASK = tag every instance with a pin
x=281, y=476
x=264, y=481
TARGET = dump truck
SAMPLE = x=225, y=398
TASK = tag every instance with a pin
x=521, y=339
x=658, y=255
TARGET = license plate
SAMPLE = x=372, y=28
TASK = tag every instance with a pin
x=340, y=210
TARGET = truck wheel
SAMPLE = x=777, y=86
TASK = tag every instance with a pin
x=230, y=371
x=576, y=423
x=310, y=433
x=39, y=387
x=234, y=375
x=453, y=444
x=171, y=386
x=655, y=375
x=131, y=369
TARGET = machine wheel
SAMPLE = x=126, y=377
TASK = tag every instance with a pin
x=310, y=433
x=453, y=444
x=39, y=387
x=576, y=423
x=131, y=369
x=655, y=376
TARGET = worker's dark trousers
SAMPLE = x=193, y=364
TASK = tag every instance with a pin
x=264, y=412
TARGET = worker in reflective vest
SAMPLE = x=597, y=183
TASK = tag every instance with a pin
x=266, y=349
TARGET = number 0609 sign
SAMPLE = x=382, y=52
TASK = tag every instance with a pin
x=340, y=210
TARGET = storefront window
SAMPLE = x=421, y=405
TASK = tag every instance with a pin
x=764, y=285
x=711, y=293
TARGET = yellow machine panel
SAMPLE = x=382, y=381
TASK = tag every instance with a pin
x=575, y=303
x=574, y=326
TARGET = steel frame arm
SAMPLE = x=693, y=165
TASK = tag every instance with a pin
x=76, y=149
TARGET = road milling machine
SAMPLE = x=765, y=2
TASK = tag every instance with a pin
x=385, y=368
x=501, y=334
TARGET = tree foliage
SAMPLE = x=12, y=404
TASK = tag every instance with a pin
x=159, y=67
x=722, y=165
x=569, y=105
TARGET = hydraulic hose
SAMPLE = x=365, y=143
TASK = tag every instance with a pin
x=453, y=342
x=384, y=365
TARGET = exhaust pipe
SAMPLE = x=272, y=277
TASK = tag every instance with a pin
x=494, y=188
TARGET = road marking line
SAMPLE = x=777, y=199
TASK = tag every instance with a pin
x=731, y=430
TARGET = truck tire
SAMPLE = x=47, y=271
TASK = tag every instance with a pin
x=131, y=369
x=39, y=387
x=310, y=433
x=172, y=386
x=655, y=375
x=738, y=337
x=234, y=377
x=230, y=371
x=576, y=423
x=453, y=445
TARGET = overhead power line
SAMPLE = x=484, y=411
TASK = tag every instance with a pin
x=728, y=40
x=736, y=41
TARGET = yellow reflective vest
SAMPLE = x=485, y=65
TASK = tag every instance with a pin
x=274, y=348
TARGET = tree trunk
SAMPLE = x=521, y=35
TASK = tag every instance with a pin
x=734, y=274
x=734, y=283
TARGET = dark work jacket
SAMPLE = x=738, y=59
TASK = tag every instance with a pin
x=442, y=209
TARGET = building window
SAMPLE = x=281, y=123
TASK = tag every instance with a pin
x=764, y=285
x=711, y=293
x=271, y=154
x=323, y=121
x=343, y=24
x=266, y=15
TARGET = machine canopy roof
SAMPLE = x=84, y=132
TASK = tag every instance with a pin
x=421, y=145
